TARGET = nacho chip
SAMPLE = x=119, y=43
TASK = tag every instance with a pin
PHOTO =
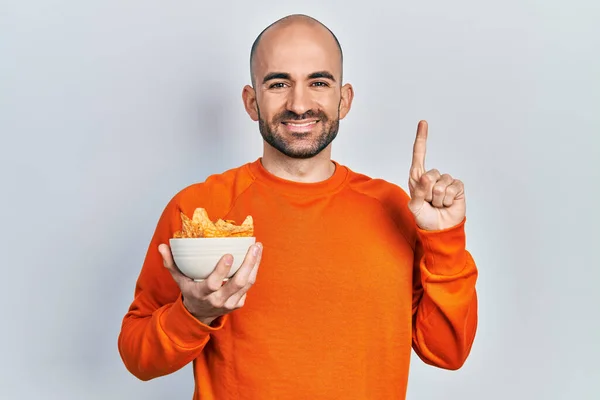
x=189, y=228
x=200, y=225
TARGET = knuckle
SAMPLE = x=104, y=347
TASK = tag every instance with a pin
x=213, y=285
x=237, y=284
x=437, y=189
x=231, y=305
x=241, y=302
x=217, y=302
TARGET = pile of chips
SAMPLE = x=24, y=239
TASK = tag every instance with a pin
x=201, y=226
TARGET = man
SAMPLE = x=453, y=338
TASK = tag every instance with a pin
x=353, y=272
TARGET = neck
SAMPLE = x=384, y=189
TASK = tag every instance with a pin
x=310, y=170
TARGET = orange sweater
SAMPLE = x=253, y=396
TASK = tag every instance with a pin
x=347, y=286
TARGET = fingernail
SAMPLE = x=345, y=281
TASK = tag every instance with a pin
x=228, y=260
x=256, y=249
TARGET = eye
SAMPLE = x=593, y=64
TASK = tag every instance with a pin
x=320, y=84
x=277, y=85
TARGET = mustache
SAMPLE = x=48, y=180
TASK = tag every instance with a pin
x=288, y=115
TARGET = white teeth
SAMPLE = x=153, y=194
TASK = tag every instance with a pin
x=306, y=124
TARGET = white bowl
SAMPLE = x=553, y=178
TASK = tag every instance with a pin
x=197, y=258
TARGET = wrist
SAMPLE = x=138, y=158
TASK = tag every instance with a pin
x=205, y=320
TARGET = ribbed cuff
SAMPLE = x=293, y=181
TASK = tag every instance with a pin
x=444, y=250
x=184, y=329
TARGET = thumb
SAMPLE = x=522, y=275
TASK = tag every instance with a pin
x=169, y=264
x=419, y=193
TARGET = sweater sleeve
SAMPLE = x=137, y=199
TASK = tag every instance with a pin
x=158, y=335
x=445, y=298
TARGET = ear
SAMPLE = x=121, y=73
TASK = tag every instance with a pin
x=346, y=101
x=249, y=98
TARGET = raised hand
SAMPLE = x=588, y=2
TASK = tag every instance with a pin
x=210, y=298
x=437, y=200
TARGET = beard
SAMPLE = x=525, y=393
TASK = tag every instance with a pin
x=285, y=144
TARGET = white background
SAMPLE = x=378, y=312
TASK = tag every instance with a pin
x=108, y=108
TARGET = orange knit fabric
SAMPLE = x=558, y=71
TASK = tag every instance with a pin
x=347, y=286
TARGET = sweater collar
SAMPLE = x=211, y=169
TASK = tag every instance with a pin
x=329, y=185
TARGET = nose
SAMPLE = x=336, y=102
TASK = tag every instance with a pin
x=299, y=100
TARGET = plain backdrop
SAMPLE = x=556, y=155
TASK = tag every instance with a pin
x=108, y=108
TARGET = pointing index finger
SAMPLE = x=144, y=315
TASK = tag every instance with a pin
x=420, y=146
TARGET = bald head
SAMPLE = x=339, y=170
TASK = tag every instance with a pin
x=287, y=29
x=297, y=95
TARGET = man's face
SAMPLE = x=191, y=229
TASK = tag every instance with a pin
x=299, y=99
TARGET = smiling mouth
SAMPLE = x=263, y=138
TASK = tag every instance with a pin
x=300, y=124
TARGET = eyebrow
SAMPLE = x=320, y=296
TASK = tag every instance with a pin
x=322, y=74
x=284, y=75
x=276, y=75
